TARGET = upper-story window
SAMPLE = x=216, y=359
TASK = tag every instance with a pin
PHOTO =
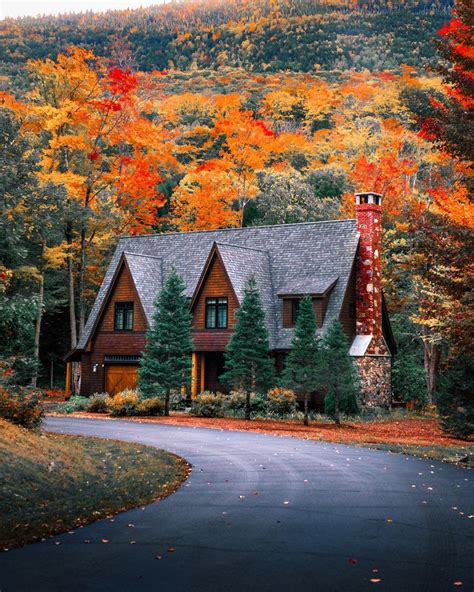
x=295, y=308
x=216, y=313
x=123, y=320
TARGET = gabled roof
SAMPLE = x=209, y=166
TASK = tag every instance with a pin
x=147, y=275
x=279, y=257
x=316, y=286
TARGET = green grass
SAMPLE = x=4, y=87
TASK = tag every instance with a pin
x=461, y=455
x=54, y=483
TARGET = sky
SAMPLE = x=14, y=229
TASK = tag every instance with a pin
x=14, y=8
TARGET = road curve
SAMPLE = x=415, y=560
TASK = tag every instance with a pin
x=266, y=513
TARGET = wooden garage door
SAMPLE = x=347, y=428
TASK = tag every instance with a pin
x=119, y=377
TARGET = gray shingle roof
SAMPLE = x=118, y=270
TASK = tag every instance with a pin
x=280, y=257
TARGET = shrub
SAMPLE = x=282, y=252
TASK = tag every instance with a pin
x=22, y=406
x=235, y=402
x=208, y=405
x=124, y=403
x=177, y=401
x=75, y=403
x=150, y=406
x=281, y=401
x=98, y=403
x=347, y=405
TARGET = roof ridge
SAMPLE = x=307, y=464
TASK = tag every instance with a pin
x=242, y=247
x=142, y=254
x=239, y=228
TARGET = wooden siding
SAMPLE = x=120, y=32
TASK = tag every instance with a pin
x=347, y=316
x=215, y=284
x=319, y=305
x=123, y=291
x=105, y=341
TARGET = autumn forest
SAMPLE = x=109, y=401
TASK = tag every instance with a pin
x=211, y=114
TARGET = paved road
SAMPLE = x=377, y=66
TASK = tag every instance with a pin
x=263, y=513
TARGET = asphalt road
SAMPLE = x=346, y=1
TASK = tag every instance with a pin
x=264, y=513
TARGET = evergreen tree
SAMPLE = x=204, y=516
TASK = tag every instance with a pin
x=338, y=374
x=302, y=366
x=455, y=399
x=248, y=366
x=166, y=361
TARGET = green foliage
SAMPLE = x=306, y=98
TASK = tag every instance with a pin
x=288, y=199
x=235, y=402
x=338, y=373
x=21, y=405
x=281, y=402
x=455, y=400
x=408, y=373
x=150, y=406
x=248, y=366
x=98, y=403
x=166, y=362
x=75, y=403
x=208, y=404
x=335, y=36
x=178, y=401
x=123, y=404
x=303, y=362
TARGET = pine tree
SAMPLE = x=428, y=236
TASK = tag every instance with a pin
x=302, y=366
x=248, y=366
x=166, y=361
x=338, y=374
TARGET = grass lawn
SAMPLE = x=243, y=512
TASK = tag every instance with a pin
x=54, y=483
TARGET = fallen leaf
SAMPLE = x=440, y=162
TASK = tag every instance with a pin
x=352, y=561
x=171, y=549
x=104, y=541
x=375, y=580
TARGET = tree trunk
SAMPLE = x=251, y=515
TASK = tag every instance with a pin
x=306, y=419
x=72, y=302
x=432, y=355
x=167, y=403
x=247, y=405
x=337, y=417
x=39, y=318
x=82, y=283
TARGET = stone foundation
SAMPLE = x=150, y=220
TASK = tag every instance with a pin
x=375, y=380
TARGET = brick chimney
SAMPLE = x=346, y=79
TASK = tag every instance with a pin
x=368, y=283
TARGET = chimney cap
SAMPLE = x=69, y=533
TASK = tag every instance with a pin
x=368, y=197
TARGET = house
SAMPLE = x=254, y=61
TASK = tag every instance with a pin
x=337, y=262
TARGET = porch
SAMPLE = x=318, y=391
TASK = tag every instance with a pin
x=207, y=367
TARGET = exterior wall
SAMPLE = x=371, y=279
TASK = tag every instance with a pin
x=123, y=291
x=319, y=305
x=376, y=377
x=106, y=341
x=216, y=284
x=348, y=309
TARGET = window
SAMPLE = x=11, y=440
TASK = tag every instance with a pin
x=295, y=308
x=216, y=313
x=123, y=316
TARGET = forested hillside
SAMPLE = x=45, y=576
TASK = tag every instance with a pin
x=258, y=36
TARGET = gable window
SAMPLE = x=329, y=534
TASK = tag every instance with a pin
x=123, y=320
x=216, y=313
x=295, y=308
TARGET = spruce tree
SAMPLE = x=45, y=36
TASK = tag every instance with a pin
x=338, y=374
x=248, y=366
x=166, y=361
x=302, y=365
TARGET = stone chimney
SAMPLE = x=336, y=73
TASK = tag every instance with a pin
x=369, y=281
